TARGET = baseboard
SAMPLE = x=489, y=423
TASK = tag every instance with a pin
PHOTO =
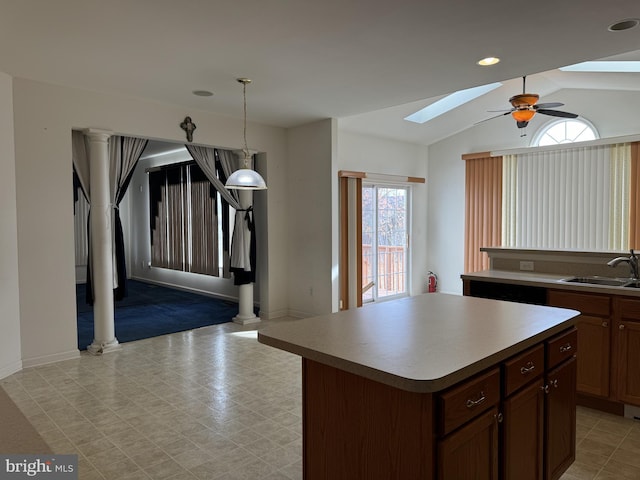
x=228, y=298
x=602, y=404
x=10, y=369
x=300, y=314
x=272, y=315
x=46, y=359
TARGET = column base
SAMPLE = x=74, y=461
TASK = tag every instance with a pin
x=246, y=319
x=100, y=348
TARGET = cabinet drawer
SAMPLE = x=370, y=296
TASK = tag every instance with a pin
x=589, y=304
x=461, y=403
x=562, y=347
x=520, y=370
x=629, y=309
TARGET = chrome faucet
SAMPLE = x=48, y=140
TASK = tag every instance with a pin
x=632, y=260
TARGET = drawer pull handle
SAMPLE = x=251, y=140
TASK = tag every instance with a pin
x=529, y=367
x=565, y=348
x=473, y=403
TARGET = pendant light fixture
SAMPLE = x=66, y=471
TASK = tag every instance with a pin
x=245, y=178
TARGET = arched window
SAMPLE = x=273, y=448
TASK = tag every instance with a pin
x=565, y=131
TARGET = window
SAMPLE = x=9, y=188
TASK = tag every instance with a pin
x=384, y=241
x=565, y=131
x=185, y=219
x=571, y=197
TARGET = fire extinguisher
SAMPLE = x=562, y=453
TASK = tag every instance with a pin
x=432, y=282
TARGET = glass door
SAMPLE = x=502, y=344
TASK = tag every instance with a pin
x=385, y=234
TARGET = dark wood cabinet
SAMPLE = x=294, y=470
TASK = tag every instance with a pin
x=523, y=433
x=514, y=421
x=627, y=347
x=560, y=419
x=594, y=337
x=472, y=451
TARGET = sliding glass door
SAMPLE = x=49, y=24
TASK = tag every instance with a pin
x=385, y=249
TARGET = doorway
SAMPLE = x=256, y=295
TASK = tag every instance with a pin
x=385, y=245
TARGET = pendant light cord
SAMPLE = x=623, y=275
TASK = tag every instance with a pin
x=244, y=82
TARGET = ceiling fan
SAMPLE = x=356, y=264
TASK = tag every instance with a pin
x=525, y=106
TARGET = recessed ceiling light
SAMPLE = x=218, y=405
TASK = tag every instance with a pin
x=485, y=62
x=625, y=24
x=202, y=93
x=450, y=102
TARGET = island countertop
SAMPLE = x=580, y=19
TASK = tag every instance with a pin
x=424, y=343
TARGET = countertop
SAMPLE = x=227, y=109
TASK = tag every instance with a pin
x=546, y=280
x=424, y=343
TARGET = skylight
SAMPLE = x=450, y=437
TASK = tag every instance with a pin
x=604, y=66
x=450, y=102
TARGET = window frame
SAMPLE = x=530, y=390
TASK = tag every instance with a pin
x=542, y=131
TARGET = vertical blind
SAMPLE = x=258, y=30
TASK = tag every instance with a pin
x=483, y=207
x=184, y=222
x=563, y=199
x=585, y=198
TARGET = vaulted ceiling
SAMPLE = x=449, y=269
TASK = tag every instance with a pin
x=316, y=59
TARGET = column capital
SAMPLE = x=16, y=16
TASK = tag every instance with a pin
x=97, y=133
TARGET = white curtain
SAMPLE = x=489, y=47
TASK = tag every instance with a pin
x=242, y=262
x=124, y=153
x=80, y=159
x=620, y=196
x=206, y=160
x=241, y=241
x=569, y=198
x=509, y=199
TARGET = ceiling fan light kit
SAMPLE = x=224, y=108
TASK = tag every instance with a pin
x=525, y=106
x=523, y=115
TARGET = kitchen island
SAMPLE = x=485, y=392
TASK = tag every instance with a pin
x=425, y=386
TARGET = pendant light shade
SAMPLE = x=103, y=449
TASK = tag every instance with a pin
x=245, y=178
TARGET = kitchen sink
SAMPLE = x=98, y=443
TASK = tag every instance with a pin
x=610, y=282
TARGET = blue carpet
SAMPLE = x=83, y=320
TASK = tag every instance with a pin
x=151, y=310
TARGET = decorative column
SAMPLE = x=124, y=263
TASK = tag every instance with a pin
x=245, y=292
x=104, y=339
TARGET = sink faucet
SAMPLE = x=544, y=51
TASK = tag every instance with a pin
x=632, y=260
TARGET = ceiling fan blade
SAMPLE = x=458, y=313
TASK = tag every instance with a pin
x=491, y=118
x=557, y=113
x=495, y=111
x=548, y=105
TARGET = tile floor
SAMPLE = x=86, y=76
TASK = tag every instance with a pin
x=213, y=403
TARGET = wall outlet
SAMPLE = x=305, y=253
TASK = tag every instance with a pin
x=526, y=266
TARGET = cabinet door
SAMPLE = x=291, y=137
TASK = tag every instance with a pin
x=560, y=419
x=594, y=337
x=629, y=362
x=522, y=434
x=471, y=453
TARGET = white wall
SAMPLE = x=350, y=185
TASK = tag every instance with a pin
x=312, y=263
x=44, y=117
x=10, y=351
x=612, y=113
x=364, y=153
